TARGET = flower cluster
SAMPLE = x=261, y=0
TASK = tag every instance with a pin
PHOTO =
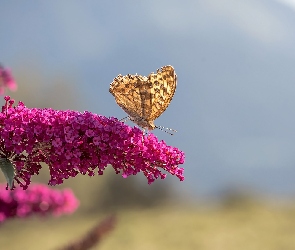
x=38, y=199
x=6, y=80
x=70, y=142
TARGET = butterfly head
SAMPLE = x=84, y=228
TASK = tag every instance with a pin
x=145, y=124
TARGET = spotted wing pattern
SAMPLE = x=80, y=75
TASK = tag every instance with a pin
x=163, y=88
x=145, y=98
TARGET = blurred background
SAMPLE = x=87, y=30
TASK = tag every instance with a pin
x=233, y=109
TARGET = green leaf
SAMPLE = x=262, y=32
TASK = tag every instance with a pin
x=8, y=170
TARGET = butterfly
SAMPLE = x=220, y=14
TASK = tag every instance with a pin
x=143, y=98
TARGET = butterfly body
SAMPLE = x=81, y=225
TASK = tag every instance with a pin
x=143, y=98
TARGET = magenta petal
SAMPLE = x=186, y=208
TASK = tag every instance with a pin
x=71, y=142
x=6, y=80
x=38, y=199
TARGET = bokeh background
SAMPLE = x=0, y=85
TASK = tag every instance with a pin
x=233, y=109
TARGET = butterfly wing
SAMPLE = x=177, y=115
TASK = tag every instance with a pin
x=126, y=90
x=163, y=86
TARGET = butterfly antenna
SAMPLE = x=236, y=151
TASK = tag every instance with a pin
x=165, y=130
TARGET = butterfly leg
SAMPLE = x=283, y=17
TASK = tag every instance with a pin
x=124, y=119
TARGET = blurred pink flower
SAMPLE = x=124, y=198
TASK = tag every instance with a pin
x=38, y=199
x=70, y=142
x=6, y=80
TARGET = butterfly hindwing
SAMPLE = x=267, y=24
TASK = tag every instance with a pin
x=125, y=89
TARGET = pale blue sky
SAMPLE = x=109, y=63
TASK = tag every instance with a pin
x=235, y=101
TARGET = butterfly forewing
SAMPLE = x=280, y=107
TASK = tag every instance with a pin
x=145, y=98
x=163, y=88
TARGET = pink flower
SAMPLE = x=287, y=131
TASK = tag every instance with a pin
x=37, y=199
x=6, y=80
x=70, y=142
